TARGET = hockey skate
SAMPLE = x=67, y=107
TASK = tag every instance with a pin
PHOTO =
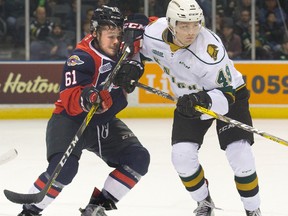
x=28, y=213
x=257, y=212
x=93, y=210
x=97, y=205
x=205, y=207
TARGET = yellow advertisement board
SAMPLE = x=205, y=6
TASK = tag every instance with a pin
x=154, y=77
x=267, y=82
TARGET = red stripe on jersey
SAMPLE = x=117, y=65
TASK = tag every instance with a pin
x=123, y=178
x=69, y=100
x=85, y=46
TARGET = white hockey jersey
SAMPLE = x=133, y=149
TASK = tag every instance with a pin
x=204, y=65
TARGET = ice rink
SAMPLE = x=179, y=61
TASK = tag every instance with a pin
x=160, y=192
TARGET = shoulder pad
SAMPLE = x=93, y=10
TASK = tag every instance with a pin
x=208, y=47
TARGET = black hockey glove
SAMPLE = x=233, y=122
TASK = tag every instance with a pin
x=128, y=75
x=91, y=95
x=185, y=104
x=134, y=27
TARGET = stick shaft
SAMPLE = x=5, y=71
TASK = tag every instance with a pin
x=217, y=116
x=38, y=197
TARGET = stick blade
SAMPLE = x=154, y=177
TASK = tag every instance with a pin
x=24, y=198
x=7, y=156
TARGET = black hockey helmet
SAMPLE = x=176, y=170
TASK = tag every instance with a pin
x=106, y=16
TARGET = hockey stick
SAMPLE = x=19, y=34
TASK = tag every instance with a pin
x=38, y=197
x=217, y=116
x=8, y=156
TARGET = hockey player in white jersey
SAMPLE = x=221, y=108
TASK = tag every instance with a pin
x=201, y=73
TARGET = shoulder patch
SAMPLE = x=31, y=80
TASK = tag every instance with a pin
x=212, y=50
x=74, y=60
x=105, y=68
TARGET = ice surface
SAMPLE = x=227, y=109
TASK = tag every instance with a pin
x=160, y=192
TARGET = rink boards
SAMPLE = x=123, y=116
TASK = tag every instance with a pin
x=29, y=89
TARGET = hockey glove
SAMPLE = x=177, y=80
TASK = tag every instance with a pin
x=134, y=27
x=91, y=95
x=185, y=104
x=128, y=75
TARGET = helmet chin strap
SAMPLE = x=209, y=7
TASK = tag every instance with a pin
x=178, y=41
x=174, y=36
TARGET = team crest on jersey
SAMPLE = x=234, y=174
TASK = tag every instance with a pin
x=105, y=68
x=212, y=50
x=74, y=60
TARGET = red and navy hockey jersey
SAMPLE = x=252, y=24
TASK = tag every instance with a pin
x=87, y=67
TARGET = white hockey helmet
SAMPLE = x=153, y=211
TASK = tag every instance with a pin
x=183, y=11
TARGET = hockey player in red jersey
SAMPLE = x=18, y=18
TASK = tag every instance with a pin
x=200, y=73
x=108, y=137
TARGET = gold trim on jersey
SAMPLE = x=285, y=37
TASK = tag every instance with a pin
x=173, y=47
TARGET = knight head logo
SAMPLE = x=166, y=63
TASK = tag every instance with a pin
x=212, y=50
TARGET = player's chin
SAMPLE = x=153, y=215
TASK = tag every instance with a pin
x=112, y=52
x=189, y=41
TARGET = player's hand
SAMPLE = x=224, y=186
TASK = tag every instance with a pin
x=128, y=75
x=91, y=96
x=134, y=27
x=185, y=104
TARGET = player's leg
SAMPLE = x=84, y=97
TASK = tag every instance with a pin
x=59, y=134
x=237, y=144
x=187, y=137
x=120, y=149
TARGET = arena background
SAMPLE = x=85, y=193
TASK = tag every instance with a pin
x=29, y=90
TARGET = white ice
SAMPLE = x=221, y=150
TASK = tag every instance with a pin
x=160, y=192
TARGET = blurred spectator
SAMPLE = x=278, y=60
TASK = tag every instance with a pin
x=61, y=44
x=272, y=6
x=34, y=4
x=223, y=4
x=41, y=27
x=263, y=50
x=229, y=10
x=157, y=8
x=85, y=28
x=206, y=6
x=70, y=22
x=129, y=7
x=282, y=53
x=219, y=21
x=283, y=3
x=231, y=41
x=220, y=9
x=273, y=31
x=2, y=9
x=242, y=24
x=102, y=2
x=40, y=30
x=244, y=5
x=88, y=14
x=14, y=9
x=3, y=26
